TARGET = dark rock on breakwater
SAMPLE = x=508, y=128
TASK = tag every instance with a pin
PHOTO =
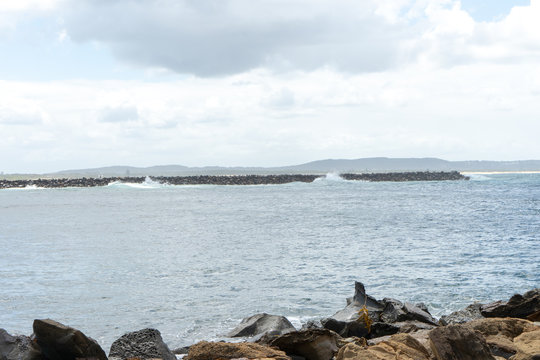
x=228, y=180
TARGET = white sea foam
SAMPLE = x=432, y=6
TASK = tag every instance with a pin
x=148, y=183
x=331, y=177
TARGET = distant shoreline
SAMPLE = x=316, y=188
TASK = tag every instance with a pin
x=230, y=179
x=499, y=172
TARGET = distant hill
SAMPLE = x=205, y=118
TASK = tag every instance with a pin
x=376, y=164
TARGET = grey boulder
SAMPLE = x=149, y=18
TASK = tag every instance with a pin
x=18, y=347
x=142, y=344
x=61, y=342
x=519, y=306
x=261, y=324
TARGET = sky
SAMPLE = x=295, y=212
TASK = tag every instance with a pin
x=91, y=83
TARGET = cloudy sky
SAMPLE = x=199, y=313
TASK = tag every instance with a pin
x=88, y=83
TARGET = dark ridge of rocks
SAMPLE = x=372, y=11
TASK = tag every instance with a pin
x=229, y=180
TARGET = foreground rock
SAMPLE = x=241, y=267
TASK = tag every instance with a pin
x=501, y=334
x=17, y=347
x=456, y=342
x=400, y=347
x=519, y=306
x=220, y=350
x=386, y=317
x=60, y=342
x=142, y=344
x=260, y=324
x=312, y=344
x=470, y=313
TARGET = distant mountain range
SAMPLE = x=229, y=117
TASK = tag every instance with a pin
x=376, y=164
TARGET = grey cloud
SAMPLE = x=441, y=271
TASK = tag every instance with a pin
x=213, y=38
x=119, y=114
x=9, y=117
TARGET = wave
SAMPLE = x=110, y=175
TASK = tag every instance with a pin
x=330, y=177
x=148, y=183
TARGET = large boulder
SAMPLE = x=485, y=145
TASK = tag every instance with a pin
x=397, y=347
x=312, y=344
x=471, y=312
x=142, y=344
x=205, y=350
x=519, y=306
x=354, y=304
x=347, y=322
x=457, y=342
x=396, y=311
x=61, y=342
x=18, y=347
x=528, y=346
x=500, y=333
x=260, y=324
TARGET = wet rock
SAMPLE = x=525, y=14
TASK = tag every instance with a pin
x=528, y=346
x=457, y=342
x=471, y=312
x=397, y=347
x=60, y=342
x=142, y=344
x=346, y=321
x=347, y=328
x=312, y=344
x=519, y=306
x=205, y=350
x=17, y=347
x=262, y=323
x=312, y=324
x=396, y=311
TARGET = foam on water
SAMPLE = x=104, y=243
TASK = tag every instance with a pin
x=330, y=177
x=147, y=184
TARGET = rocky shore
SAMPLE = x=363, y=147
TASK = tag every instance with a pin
x=365, y=329
x=228, y=179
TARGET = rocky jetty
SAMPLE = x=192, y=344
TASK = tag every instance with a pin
x=228, y=179
x=386, y=329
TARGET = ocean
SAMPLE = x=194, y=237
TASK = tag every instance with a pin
x=192, y=261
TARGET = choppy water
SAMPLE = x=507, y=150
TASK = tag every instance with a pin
x=192, y=261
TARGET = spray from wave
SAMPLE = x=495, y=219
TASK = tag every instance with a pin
x=330, y=177
x=148, y=183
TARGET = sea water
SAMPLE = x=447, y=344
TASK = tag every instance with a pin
x=192, y=261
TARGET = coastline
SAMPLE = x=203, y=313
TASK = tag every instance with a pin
x=230, y=179
x=503, y=329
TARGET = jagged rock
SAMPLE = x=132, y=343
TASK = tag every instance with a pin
x=205, y=350
x=500, y=333
x=471, y=312
x=346, y=328
x=397, y=347
x=345, y=322
x=396, y=311
x=312, y=344
x=60, y=342
x=181, y=350
x=360, y=298
x=457, y=342
x=534, y=316
x=262, y=323
x=142, y=344
x=18, y=347
x=519, y=306
x=528, y=346
x=312, y=324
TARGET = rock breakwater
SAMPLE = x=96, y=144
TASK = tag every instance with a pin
x=228, y=179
